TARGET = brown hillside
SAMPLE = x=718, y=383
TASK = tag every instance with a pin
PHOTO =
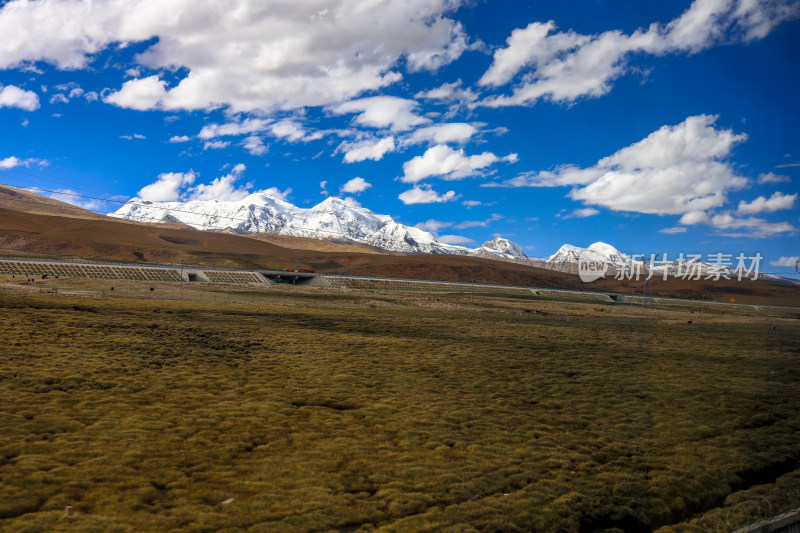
x=118, y=240
x=60, y=235
x=20, y=200
x=303, y=243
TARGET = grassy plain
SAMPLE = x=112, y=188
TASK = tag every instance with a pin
x=278, y=409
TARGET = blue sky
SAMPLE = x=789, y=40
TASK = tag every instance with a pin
x=661, y=127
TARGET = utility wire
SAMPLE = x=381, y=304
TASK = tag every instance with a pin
x=92, y=164
x=39, y=174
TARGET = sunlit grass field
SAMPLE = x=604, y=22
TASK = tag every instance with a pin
x=283, y=415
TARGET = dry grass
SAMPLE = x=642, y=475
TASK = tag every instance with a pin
x=743, y=508
x=319, y=411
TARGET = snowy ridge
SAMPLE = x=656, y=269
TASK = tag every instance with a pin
x=500, y=247
x=568, y=256
x=598, y=252
x=333, y=219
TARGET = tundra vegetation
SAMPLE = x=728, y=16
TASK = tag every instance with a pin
x=286, y=410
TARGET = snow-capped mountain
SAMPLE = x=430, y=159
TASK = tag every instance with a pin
x=568, y=256
x=500, y=247
x=598, y=252
x=396, y=237
x=333, y=219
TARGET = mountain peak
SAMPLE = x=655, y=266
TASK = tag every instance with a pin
x=336, y=200
x=603, y=248
x=599, y=252
x=503, y=247
x=333, y=218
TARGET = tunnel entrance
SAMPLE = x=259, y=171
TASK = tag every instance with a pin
x=290, y=277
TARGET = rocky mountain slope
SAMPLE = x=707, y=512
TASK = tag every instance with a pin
x=338, y=219
x=597, y=252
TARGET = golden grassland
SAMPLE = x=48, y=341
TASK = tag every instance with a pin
x=759, y=503
x=279, y=409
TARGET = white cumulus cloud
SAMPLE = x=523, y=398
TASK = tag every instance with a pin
x=59, y=98
x=454, y=239
x=453, y=132
x=425, y=195
x=13, y=96
x=215, y=145
x=564, y=65
x=695, y=217
x=582, y=213
x=786, y=262
x=762, y=204
x=449, y=92
x=751, y=227
x=71, y=197
x=140, y=94
x=478, y=223
x=732, y=226
x=432, y=225
x=449, y=164
x=373, y=149
x=180, y=186
x=397, y=114
x=674, y=229
x=13, y=161
x=255, y=145
x=771, y=177
x=10, y=162
x=355, y=186
x=288, y=129
x=245, y=127
x=222, y=188
x=258, y=54
x=674, y=170
x=168, y=187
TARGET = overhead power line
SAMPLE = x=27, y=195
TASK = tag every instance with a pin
x=93, y=164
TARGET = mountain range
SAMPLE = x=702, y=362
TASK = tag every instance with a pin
x=598, y=252
x=567, y=257
x=33, y=225
x=337, y=219
x=345, y=220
